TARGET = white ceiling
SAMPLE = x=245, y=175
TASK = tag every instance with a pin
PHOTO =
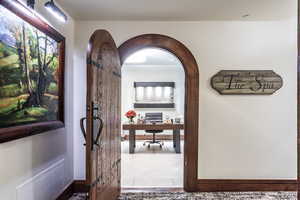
x=179, y=10
x=152, y=57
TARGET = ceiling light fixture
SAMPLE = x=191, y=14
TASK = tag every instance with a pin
x=29, y=12
x=56, y=11
x=30, y=3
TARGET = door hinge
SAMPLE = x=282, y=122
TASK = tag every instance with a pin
x=117, y=74
x=116, y=162
x=94, y=183
x=88, y=108
x=97, y=64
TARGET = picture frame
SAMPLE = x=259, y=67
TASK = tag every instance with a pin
x=161, y=95
x=44, y=85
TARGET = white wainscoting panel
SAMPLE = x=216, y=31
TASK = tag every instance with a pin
x=46, y=185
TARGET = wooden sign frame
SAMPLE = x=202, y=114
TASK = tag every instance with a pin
x=246, y=82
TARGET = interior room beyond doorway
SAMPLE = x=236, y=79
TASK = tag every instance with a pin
x=153, y=87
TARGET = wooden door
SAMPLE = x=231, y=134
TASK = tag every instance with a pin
x=103, y=152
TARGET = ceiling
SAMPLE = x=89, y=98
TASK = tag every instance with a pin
x=180, y=10
x=153, y=57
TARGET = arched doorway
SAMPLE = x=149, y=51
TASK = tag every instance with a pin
x=191, y=95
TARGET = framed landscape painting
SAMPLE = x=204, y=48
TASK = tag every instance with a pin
x=31, y=73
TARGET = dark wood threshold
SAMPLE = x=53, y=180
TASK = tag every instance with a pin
x=219, y=185
x=151, y=189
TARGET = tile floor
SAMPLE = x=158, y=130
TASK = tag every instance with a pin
x=202, y=196
x=154, y=167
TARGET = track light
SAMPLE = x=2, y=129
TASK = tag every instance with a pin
x=56, y=11
x=31, y=3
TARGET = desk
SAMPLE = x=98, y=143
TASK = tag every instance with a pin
x=133, y=127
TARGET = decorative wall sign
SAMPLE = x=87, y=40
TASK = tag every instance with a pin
x=31, y=73
x=255, y=82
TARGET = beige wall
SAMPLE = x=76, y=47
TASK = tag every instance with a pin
x=251, y=137
x=241, y=137
x=39, y=167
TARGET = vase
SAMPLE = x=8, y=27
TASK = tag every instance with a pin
x=131, y=120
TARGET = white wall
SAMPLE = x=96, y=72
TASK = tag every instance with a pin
x=137, y=73
x=39, y=167
x=241, y=137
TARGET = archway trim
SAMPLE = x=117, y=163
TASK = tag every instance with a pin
x=191, y=117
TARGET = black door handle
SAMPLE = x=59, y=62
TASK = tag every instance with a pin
x=95, y=140
x=99, y=131
x=82, y=127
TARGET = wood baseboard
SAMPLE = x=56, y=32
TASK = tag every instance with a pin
x=67, y=192
x=149, y=137
x=80, y=187
x=203, y=185
x=76, y=186
x=215, y=185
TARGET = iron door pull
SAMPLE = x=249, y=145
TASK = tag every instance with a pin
x=99, y=131
x=82, y=127
x=95, y=141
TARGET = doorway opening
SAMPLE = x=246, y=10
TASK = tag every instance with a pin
x=153, y=87
x=191, y=99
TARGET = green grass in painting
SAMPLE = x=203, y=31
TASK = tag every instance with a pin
x=34, y=112
x=53, y=89
x=8, y=105
x=11, y=90
x=24, y=115
x=11, y=111
x=6, y=50
x=9, y=61
x=8, y=56
x=21, y=116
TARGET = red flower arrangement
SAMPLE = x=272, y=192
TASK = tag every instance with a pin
x=130, y=115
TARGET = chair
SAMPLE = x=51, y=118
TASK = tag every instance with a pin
x=154, y=118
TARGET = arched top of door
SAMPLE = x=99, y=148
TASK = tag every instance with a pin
x=164, y=42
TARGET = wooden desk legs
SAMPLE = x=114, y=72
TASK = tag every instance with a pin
x=176, y=140
x=134, y=139
x=131, y=141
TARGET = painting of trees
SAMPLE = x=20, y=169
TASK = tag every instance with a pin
x=29, y=63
